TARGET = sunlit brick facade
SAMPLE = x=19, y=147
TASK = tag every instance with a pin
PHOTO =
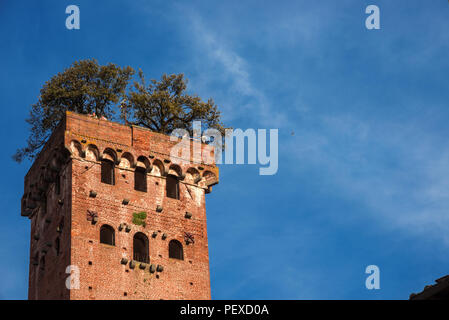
x=100, y=177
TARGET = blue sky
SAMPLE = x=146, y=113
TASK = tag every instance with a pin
x=362, y=116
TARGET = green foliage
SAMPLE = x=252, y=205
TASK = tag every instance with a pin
x=164, y=105
x=139, y=218
x=85, y=88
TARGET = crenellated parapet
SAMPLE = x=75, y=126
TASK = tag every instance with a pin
x=88, y=139
x=201, y=175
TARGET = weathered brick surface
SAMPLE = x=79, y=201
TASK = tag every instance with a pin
x=74, y=152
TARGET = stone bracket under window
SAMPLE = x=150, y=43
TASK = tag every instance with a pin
x=189, y=238
x=92, y=216
x=142, y=265
x=124, y=226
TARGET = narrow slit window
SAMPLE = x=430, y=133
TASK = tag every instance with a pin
x=36, y=259
x=172, y=187
x=175, y=250
x=57, y=246
x=42, y=263
x=58, y=185
x=60, y=225
x=140, y=179
x=107, y=235
x=107, y=172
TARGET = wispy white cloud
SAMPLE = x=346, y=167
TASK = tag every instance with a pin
x=398, y=171
x=217, y=61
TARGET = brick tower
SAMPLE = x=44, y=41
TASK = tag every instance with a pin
x=113, y=217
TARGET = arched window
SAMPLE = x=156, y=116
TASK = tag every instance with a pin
x=140, y=179
x=175, y=250
x=140, y=248
x=107, y=235
x=172, y=187
x=107, y=172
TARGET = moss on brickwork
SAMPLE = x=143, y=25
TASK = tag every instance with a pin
x=139, y=218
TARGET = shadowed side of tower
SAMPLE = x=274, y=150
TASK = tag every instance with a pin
x=109, y=206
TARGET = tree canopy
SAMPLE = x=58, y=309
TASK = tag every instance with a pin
x=85, y=88
x=89, y=88
x=164, y=105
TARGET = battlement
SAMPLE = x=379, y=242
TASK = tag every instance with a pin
x=92, y=139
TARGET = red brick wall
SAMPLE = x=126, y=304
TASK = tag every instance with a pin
x=102, y=276
x=51, y=221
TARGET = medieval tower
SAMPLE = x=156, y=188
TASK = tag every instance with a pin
x=113, y=216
